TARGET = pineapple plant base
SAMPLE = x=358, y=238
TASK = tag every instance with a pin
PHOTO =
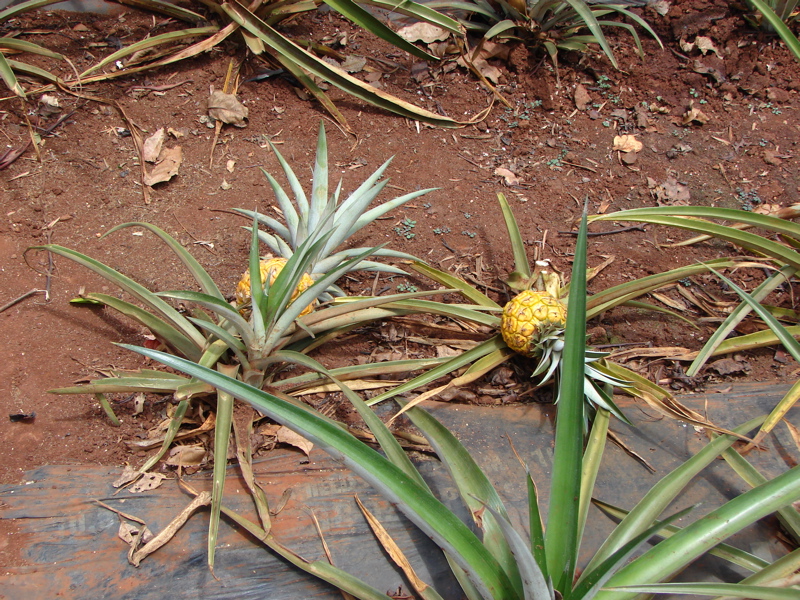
x=270, y=269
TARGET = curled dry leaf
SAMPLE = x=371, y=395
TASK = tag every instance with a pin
x=48, y=106
x=287, y=436
x=660, y=6
x=187, y=456
x=772, y=158
x=138, y=399
x=148, y=481
x=423, y=32
x=227, y=108
x=795, y=434
x=129, y=534
x=627, y=143
x=480, y=60
x=670, y=192
x=582, y=98
x=152, y=145
x=729, y=366
x=167, y=166
x=702, y=43
x=695, y=115
x=509, y=177
x=128, y=474
x=353, y=64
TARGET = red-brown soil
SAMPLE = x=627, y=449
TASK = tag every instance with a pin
x=86, y=180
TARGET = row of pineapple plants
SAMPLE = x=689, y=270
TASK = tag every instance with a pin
x=287, y=305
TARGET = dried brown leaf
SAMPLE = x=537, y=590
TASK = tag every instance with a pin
x=581, y=97
x=133, y=535
x=423, y=32
x=795, y=433
x=729, y=366
x=128, y=474
x=135, y=557
x=151, y=148
x=138, y=403
x=227, y=108
x=695, y=115
x=393, y=550
x=670, y=192
x=353, y=64
x=509, y=177
x=627, y=143
x=667, y=301
x=148, y=481
x=167, y=167
x=287, y=436
x=187, y=456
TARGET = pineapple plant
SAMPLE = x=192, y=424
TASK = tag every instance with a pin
x=324, y=219
x=533, y=324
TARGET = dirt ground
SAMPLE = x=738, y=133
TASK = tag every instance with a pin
x=552, y=154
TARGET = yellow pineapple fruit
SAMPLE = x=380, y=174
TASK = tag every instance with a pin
x=270, y=268
x=530, y=318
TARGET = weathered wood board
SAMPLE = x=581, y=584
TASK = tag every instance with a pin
x=71, y=548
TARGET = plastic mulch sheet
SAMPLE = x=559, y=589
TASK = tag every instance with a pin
x=71, y=548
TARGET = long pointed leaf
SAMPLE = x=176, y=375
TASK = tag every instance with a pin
x=663, y=493
x=150, y=42
x=789, y=517
x=219, y=307
x=369, y=22
x=25, y=46
x=580, y=7
x=476, y=491
x=204, y=280
x=164, y=332
x=319, y=185
x=724, y=551
x=535, y=585
x=7, y=75
x=414, y=501
x=735, y=590
x=561, y=535
x=456, y=283
x=335, y=76
x=453, y=364
x=521, y=264
x=792, y=346
x=222, y=433
x=674, y=553
x=593, y=581
x=140, y=292
x=788, y=37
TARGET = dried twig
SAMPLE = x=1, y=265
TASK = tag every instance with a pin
x=611, y=232
x=227, y=89
x=27, y=294
x=12, y=154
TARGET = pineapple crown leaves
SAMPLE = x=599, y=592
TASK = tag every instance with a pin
x=323, y=214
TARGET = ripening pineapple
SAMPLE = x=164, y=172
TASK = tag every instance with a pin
x=270, y=268
x=531, y=318
x=533, y=324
